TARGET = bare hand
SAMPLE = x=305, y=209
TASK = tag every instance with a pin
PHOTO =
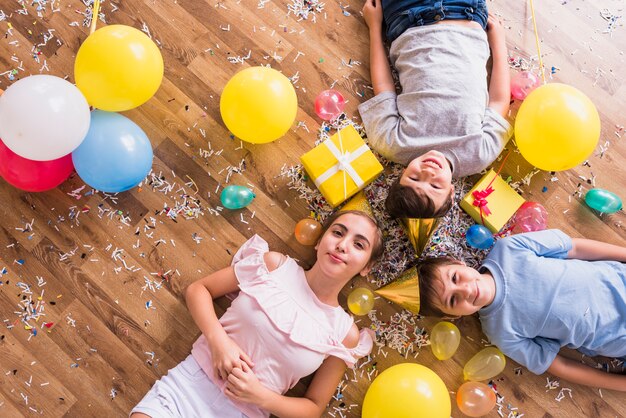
x=243, y=386
x=494, y=28
x=373, y=14
x=227, y=355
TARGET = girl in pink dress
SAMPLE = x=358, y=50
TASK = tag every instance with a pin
x=285, y=324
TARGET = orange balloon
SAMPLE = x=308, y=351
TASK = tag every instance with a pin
x=308, y=231
x=475, y=399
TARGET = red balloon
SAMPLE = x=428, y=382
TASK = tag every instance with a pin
x=329, y=104
x=531, y=216
x=523, y=83
x=33, y=176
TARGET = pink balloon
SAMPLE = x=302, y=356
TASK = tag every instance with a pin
x=531, y=216
x=522, y=83
x=329, y=104
x=33, y=176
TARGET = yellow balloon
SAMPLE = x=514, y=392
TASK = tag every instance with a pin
x=118, y=68
x=485, y=364
x=557, y=127
x=361, y=301
x=407, y=390
x=445, y=338
x=259, y=105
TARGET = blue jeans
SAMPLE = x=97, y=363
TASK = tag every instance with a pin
x=400, y=15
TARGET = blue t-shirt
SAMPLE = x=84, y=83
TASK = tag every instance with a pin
x=544, y=301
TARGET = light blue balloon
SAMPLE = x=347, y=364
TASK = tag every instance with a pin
x=115, y=155
x=236, y=197
x=603, y=200
x=478, y=236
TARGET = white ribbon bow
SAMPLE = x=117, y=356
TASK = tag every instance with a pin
x=343, y=164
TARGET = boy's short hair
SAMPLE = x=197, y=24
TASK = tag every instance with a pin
x=428, y=273
x=405, y=202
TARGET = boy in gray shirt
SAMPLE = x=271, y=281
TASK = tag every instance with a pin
x=444, y=123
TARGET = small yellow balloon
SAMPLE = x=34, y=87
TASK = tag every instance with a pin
x=557, y=127
x=485, y=364
x=259, y=105
x=118, y=68
x=361, y=301
x=407, y=390
x=445, y=338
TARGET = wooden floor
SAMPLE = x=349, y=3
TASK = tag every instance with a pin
x=109, y=271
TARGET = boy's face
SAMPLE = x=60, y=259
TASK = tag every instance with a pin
x=463, y=290
x=429, y=173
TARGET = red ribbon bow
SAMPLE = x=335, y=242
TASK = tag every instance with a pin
x=480, y=196
x=480, y=200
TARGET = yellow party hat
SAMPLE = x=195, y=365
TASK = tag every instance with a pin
x=404, y=291
x=359, y=202
x=420, y=231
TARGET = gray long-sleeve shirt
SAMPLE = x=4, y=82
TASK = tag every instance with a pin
x=443, y=104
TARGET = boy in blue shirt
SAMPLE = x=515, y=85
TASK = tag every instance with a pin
x=445, y=122
x=538, y=292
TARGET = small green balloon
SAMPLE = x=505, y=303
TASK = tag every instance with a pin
x=236, y=197
x=603, y=201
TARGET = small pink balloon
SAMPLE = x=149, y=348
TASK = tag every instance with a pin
x=329, y=104
x=522, y=83
x=531, y=216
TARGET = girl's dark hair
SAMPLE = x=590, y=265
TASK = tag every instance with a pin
x=377, y=246
x=405, y=202
x=428, y=274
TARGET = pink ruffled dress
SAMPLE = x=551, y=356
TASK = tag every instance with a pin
x=279, y=322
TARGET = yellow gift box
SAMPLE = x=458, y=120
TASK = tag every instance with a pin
x=497, y=200
x=341, y=165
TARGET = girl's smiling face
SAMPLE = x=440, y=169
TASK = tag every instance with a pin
x=346, y=247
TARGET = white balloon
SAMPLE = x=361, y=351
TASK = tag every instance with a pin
x=43, y=117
